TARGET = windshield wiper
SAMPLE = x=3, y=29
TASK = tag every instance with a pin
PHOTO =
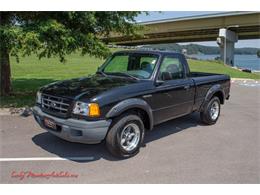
x=126, y=74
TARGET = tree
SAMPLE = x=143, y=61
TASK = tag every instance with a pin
x=48, y=34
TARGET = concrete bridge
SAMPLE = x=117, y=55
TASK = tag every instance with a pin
x=225, y=28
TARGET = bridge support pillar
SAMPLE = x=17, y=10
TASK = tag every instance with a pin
x=226, y=42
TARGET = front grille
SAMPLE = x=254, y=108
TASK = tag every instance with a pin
x=55, y=105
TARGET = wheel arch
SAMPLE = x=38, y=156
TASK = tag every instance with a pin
x=136, y=105
x=215, y=90
x=220, y=95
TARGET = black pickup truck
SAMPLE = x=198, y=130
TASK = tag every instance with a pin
x=130, y=93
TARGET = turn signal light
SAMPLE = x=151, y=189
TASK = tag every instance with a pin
x=94, y=110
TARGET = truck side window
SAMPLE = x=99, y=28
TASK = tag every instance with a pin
x=171, y=68
x=147, y=64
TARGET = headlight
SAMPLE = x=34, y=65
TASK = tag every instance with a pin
x=86, y=109
x=39, y=97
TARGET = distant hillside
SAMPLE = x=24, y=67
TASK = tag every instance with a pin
x=198, y=49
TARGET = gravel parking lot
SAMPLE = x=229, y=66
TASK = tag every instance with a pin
x=179, y=151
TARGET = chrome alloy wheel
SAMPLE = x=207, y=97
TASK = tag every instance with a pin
x=214, y=110
x=130, y=137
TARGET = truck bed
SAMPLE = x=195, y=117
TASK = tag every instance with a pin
x=203, y=77
x=202, y=74
x=204, y=81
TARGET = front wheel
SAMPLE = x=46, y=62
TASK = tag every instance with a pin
x=125, y=136
x=211, y=112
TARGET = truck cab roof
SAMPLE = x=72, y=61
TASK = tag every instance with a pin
x=158, y=52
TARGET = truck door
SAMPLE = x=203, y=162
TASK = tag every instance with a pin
x=174, y=94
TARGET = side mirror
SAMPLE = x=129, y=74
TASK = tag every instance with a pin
x=158, y=82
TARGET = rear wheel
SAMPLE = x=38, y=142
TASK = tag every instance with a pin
x=211, y=112
x=125, y=136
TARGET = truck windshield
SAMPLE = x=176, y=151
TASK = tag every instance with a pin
x=136, y=65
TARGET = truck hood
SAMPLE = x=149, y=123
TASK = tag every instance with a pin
x=86, y=87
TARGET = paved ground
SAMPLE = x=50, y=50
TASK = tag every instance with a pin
x=179, y=151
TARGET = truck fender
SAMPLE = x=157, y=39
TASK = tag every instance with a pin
x=214, y=89
x=131, y=104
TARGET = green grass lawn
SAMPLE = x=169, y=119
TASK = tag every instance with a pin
x=30, y=74
x=218, y=67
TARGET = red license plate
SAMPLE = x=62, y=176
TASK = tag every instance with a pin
x=49, y=123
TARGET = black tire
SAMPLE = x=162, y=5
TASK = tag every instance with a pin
x=205, y=115
x=113, y=137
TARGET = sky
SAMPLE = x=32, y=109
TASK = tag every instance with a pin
x=176, y=14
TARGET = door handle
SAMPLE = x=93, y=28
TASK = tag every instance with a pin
x=186, y=87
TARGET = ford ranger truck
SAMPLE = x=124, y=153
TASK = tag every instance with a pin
x=128, y=95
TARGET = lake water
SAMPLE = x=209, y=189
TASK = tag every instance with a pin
x=251, y=62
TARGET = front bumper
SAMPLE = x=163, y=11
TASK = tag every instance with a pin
x=73, y=130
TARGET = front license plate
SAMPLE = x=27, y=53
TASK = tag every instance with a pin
x=49, y=123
